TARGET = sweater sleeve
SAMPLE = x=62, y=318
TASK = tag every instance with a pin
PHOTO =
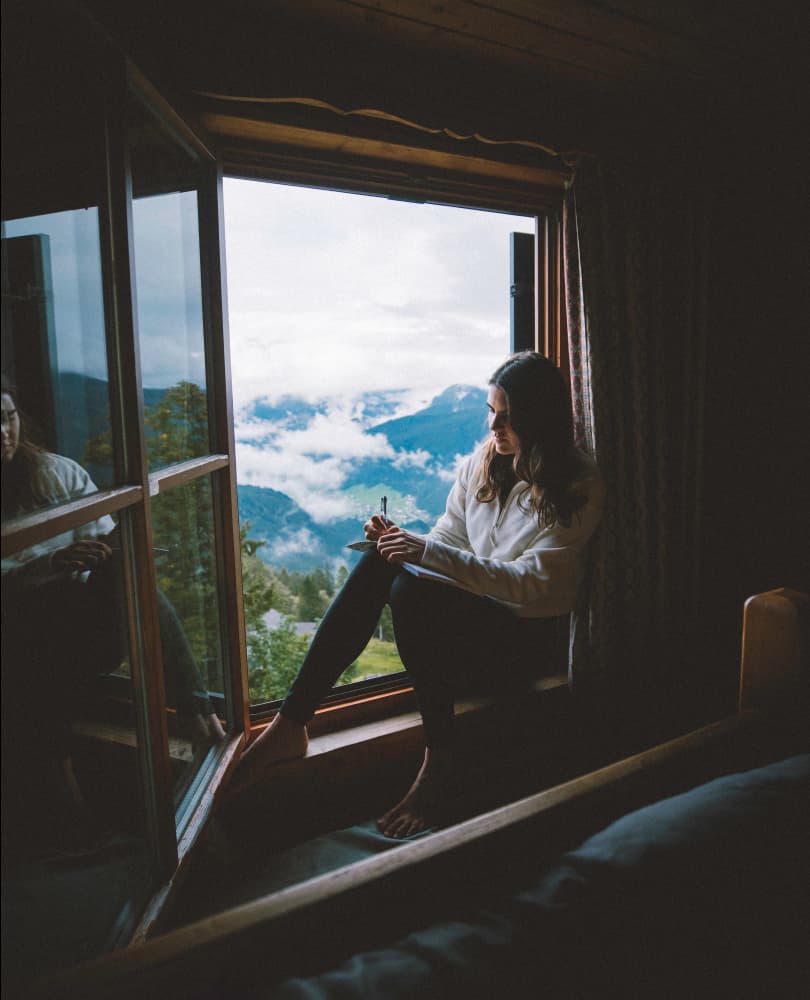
x=75, y=481
x=540, y=581
x=451, y=528
x=60, y=479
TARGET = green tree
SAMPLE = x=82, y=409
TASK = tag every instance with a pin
x=312, y=602
x=177, y=425
x=176, y=429
x=385, y=629
x=324, y=580
x=183, y=522
x=270, y=679
x=259, y=594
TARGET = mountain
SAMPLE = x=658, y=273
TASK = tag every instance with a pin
x=296, y=413
x=449, y=426
x=416, y=485
x=416, y=479
x=83, y=413
x=292, y=539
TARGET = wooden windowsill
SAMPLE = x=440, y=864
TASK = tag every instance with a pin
x=403, y=728
x=331, y=757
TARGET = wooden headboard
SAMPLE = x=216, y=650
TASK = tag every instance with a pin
x=774, y=669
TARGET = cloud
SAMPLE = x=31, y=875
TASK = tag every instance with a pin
x=337, y=435
x=311, y=464
x=314, y=484
x=448, y=473
x=336, y=294
x=298, y=541
x=415, y=459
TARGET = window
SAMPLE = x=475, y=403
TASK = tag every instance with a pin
x=166, y=177
x=362, y=333
x=122, y=663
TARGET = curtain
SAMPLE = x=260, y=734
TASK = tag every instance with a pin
x=635, y=257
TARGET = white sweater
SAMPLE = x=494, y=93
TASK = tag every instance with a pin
x=58, y=480
x=502, y=553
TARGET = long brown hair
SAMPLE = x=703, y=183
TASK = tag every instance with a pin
x=19, y=479
x=540, y=414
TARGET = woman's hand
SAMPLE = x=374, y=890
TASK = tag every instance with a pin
x=398, y=546
x=376, y=527
x=82, y=555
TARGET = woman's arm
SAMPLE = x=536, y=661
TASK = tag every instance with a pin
x=542, y=578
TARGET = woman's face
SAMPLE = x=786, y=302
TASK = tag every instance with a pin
x=10, y=427
x=506, y=441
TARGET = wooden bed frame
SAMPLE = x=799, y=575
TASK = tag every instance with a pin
x=271, y=937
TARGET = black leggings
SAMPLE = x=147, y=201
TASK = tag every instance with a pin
x=451, y=643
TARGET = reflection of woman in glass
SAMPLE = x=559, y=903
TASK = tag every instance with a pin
x=61, y=609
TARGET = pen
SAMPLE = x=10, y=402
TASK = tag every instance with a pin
x=384, y=509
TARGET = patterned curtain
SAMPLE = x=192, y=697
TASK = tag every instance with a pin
x=635, y=258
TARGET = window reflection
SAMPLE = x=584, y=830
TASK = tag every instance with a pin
x=53, y=334
x=169, y=295
x=73, y=821
x=183, y=531
x=78, y=863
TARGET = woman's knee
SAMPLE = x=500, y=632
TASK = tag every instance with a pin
x=409, y=596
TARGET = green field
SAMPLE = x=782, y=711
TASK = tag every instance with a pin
x=378, y=658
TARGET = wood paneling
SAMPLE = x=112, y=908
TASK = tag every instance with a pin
x=573, y=74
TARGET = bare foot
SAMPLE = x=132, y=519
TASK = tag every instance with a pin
x=424, y=800
x=283, y=739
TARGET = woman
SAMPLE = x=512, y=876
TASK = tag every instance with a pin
x=60, y=605
x=513, y=535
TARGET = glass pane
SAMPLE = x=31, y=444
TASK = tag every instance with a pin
x=54, y=353
x=188, y=609
x=76, y=865
x=362, y=334
x=168, y=295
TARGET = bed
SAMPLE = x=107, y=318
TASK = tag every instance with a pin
x=680, y=871
x=700, y=894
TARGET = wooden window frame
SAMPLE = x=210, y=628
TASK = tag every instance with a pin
x=304, y=158
x=168, y=839
x=218, y=465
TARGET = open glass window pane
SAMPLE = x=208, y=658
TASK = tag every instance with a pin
x=190, y=633
x=76, y=856
x=168, y=293
x=54, y=352
x=363, y=332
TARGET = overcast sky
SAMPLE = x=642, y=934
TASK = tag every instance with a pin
x=332, y=295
